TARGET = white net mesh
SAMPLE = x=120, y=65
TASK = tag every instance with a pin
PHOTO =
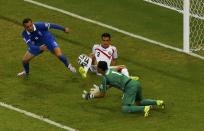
x=196, y=25
x=196, y=19
x=173, y=4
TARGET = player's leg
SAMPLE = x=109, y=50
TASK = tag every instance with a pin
x=139, y=98
x=128, y=103
x=153, y=103
x=26, y=59
x=63, y=59
x=146, y=102
x=85, y=68
x=91, y=61
x=54, y=48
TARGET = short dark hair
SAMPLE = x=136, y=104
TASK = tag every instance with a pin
x=105, y=35
x=102, y=65
x=26, y=20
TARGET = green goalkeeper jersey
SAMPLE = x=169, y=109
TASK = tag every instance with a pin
x=115, y=79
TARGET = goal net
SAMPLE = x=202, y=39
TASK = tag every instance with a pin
x=196, y=20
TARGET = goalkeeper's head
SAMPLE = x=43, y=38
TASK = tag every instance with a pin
x=102, y=67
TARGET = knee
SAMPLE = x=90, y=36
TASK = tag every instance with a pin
x=58, y=52
x=137, y=103
x=126, y=109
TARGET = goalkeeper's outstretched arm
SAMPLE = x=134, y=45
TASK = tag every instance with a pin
x=99, y=95
x=88, y=95
x=93, y=93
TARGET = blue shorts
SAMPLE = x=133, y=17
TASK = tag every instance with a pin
x=34, y=52
x=51, y=45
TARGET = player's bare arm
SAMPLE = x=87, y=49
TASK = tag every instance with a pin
x=113, y=62
x=43, y=47
x=66, y=30
x=93, y=93
x=99, y=95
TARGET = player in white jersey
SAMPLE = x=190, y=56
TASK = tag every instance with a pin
x=108, y=54
x=101, y=52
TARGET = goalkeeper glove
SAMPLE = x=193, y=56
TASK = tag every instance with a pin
x=87, y=95
x=95, y=89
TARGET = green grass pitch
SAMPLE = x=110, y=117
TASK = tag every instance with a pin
x=55, y=93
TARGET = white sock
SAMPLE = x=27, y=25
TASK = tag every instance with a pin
x=88, y=65
x=125, y=72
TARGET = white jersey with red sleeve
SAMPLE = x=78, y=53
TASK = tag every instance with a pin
x=105, y=54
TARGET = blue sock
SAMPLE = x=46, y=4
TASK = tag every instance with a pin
x=26, y=67
x=64, y=60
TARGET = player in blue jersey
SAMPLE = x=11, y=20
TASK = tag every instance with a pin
x=39, y=39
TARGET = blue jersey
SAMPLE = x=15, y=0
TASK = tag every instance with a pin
x=40, y=35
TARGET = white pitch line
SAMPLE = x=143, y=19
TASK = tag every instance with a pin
x=112, y=28
x=36, y=117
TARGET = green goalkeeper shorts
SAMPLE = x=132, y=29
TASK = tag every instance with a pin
x=132, y=93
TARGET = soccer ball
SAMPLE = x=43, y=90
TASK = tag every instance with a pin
x=83, y=60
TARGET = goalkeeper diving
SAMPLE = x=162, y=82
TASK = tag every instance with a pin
x=132, y=100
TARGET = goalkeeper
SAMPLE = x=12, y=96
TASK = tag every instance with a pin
x=132, y=92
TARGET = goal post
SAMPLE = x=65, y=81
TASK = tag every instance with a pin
x=193, y=21
x=186, y=26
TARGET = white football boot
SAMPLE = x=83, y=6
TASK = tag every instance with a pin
x=71, y=68
x=22, y=74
